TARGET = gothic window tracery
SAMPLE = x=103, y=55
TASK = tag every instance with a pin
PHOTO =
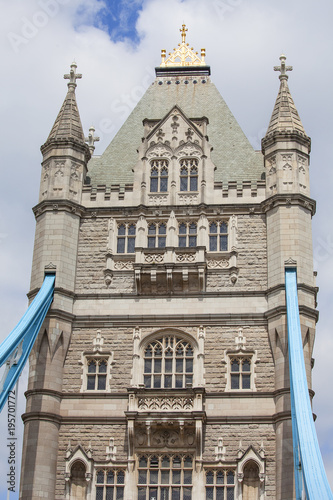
x=240, y=376
x=157, y=235
x=220, y=484
x=110, y=484
x=168, y=363
x=126, y=238
x=165, y=477
x=97, y=374
x=189, y=174
x=159, y=176
x=218, y=236
x=187, y=234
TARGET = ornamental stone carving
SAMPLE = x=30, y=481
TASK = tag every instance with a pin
x=217, y=263
x=154, y=258
x=165, y=403
x=158, y=199
x=185, y=257
x=188, y=199
x=123, y=265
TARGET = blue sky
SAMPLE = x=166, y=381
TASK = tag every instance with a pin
x=116, y=45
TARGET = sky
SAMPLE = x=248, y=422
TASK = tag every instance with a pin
x=116, y=45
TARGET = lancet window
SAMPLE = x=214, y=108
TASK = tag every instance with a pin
x=218, y=236
x=165, y=477
x=240, y=372
x=159, y=176
x=126, y=238
x=110, y=484
x=97, y=374
x=220, y=484
x=157, y=235
x=189, y=174
x=168, y=363
x=187, y=234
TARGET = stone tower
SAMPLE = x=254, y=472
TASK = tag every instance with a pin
x=161, y=371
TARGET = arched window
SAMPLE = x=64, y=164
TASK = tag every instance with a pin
x=157, y=235
x=189, y=174
x=251, y=482
x=168, y=363
x=187, y=234
x=240, y=372
x=97, y=374
x=159, y=176
x=78, y=481
x=218, y=236
x=126, y=238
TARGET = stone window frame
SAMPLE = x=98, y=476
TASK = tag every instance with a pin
x=158, y=237
x=183, y=377
x=218, y=235
x=100, y=487
x=190, y=238
x=97, y=357
x=215, y=485
x=159, y=165
x=241, y=353
x=189, y=181
x=127, y=238
x=181, y=481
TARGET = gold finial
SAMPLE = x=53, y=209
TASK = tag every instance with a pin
x=183, y=32
x=183, y=55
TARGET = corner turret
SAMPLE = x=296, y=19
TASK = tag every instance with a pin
x=65, y=153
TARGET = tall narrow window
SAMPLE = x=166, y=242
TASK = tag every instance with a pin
x=78, y=481
x=165, y=477
x=168, y=363
x=218, y=237
x=220, y=485
x=97, y=374
x=126, y=238
x=157, y=235
x=110, y=484
x=189, y=174
x=159, y=176
x=240, y=368
x=187, y=234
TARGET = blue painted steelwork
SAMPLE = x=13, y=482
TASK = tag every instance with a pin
x=309, y=467
x=15, y=349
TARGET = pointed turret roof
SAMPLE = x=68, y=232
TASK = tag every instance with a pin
x=285, y=117
x=68, y=123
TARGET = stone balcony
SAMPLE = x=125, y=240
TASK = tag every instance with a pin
x=172, y=269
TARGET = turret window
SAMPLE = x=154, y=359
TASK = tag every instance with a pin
x=187, y=235
x=168, y=363
x=159, y=176
x=218, y=237
x=126, y=238
x=189, y=175
x=157, y=235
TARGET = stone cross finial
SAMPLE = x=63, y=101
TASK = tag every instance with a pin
x=91, y=139
x=72, y=76
x=183, y=32
x=283, y=68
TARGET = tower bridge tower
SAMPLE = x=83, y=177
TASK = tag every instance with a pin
x=161, y=369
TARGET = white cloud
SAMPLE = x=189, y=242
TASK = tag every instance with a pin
x=243, y=41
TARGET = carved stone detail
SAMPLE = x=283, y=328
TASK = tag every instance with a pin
x=120, y=265
x=165, y=403
x=185, y=257
x=154, y=258
x=188, y=199
x=217, y=263
x=158, y=199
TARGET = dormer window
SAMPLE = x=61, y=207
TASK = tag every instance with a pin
x=189, y=174
x=159, y=176
x=157, y=235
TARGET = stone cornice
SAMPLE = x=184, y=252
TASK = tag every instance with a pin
x=281, y=136
x=290, y=199
x=58, y=205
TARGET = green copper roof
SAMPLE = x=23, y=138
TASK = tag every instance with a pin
x=232, y=153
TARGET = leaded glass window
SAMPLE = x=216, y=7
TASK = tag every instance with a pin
x=218, y=236
x=110, y=484
x=96, y=374
x=220, y=484
x=168, y=363
x=157, y=235
x=189, y=174
x=126, y=238
x=240, y=372
x=187, y=235
x=165, y=477
x=159, y=176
